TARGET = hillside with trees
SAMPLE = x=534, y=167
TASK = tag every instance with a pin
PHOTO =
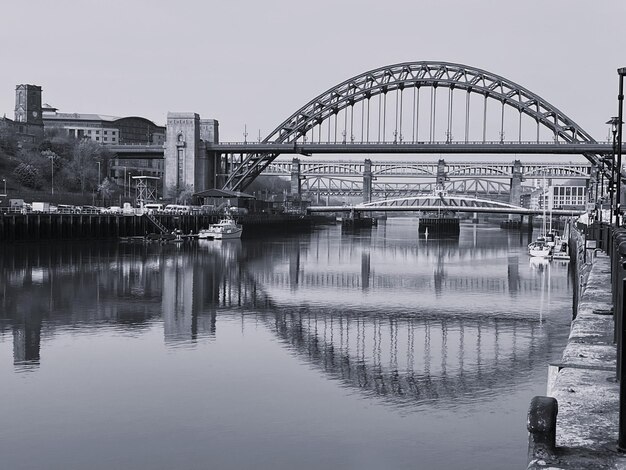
x=60, y=170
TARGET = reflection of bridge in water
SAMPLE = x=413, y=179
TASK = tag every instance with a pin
x=405, y=359
x=408, y=360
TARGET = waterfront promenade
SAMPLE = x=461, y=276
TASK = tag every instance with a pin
x=584, y=384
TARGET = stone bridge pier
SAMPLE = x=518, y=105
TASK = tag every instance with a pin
x=442, y=175
x=187, y=164
x=296, y=179
x=367, y=181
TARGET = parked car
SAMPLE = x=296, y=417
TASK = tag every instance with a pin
x=90, y=210
x=68, y=209
x=176, y=209
x=152, y=208
x=114, y=210
x=41, y=207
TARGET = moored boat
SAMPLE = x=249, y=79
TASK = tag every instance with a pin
x=225, y=229
x=539, y=248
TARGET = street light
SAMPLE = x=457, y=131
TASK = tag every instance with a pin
x=51, y=157
x=621, y=439
x=620, y=114
x=615, y=209
x=99, y=177
x=124, y=183
x=5, y=187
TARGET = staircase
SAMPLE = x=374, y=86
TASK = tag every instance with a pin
x=156, y=223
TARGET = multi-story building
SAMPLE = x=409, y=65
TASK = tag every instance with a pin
x=106, y=130
x=32, y=120
x=566, y=196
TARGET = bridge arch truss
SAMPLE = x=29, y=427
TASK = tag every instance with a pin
x=382, y=105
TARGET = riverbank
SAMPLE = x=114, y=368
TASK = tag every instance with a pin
x=584, y=386
x=45, y=226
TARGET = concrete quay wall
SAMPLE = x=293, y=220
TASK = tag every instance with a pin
x=584, y=383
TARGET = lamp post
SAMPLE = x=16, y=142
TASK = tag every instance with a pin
x=620, y=114
x=99, y=177
x=614, y=208
x=621, y=440
x=129, y=176
x=51, y=157
x=4, y=180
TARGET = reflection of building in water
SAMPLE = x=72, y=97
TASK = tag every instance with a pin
x=177, y=298
x=196, y=284
x=513, y=274
x=365, y=270
x=187, y=284
x=27, y=341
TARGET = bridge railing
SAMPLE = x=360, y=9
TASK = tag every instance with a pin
x=413, y=142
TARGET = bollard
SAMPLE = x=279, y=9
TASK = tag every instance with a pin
x=541, y=427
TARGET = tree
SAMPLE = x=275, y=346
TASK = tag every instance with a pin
x=28, y=175
x=107, y=190
x=182, y=195
x=8, y=144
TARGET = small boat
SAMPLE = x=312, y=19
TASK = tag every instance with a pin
x=561, y=251
x=540, y=248
x=175, y=237
x=225, y=229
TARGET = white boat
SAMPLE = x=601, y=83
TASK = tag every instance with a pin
x=539, y=248
x=561, y=250
x=225, y=229
x=542, y=247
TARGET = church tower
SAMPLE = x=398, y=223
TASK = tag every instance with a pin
x=28, y=105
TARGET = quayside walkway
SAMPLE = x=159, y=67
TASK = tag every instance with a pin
x=576, y=425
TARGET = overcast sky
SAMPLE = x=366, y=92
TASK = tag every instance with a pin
x=256, y=62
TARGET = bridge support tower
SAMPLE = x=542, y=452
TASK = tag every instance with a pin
x=187, y=166
x=367, y=181
x=296, y=179
x=516, y=184
x=442, y=176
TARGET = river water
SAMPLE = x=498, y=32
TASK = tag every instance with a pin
x=363, y=350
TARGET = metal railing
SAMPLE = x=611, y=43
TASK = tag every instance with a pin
x=613, y=241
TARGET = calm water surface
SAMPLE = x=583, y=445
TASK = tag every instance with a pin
x=327, y=350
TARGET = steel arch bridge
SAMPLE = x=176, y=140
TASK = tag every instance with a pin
x=412, y=169
x=330, y=118
x=323, y=186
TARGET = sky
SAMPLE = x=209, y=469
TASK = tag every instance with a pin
x=253, y=63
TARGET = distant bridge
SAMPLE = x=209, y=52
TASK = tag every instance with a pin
x=416, y=169
x=438, y=203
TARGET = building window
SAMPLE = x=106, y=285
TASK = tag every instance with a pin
x=113, y=139
x=181, y=167
x=106, y=132
x=106, y=138
x=97, y=138
x=97, y=132
x=89, y=132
